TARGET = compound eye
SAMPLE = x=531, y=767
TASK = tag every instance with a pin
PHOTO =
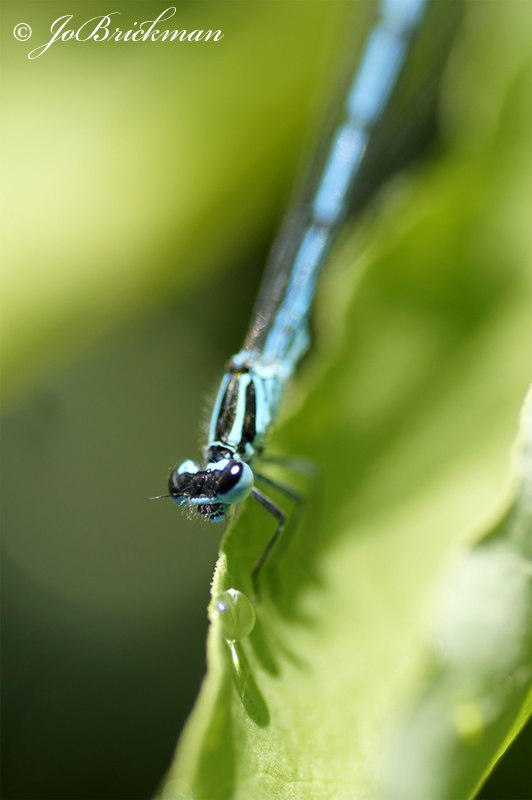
x=176, y=483
x=235, y=482
x=182, y=482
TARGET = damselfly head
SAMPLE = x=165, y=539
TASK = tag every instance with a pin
x=194, y=492
x=211, y=491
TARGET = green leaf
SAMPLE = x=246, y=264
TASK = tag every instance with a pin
x=362, y=668
x=478, y=691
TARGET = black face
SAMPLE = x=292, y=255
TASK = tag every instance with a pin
x=212, y=491
x=193, y=490
x=192, y=484
x=208, y=483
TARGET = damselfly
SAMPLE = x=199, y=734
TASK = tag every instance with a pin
x=387, y=114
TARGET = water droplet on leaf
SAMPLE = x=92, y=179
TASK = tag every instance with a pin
x=236, y=614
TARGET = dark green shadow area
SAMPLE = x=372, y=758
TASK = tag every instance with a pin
x=246, y=686
x=512, y=777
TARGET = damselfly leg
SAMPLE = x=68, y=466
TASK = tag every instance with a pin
x=287, y=525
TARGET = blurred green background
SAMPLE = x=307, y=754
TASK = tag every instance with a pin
x=142, y=186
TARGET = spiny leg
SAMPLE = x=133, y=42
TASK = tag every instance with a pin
x=279, y=515
x=276, y=512
x=294, y=495
x=300, y=504
x=303, y=466
x=312, y=495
